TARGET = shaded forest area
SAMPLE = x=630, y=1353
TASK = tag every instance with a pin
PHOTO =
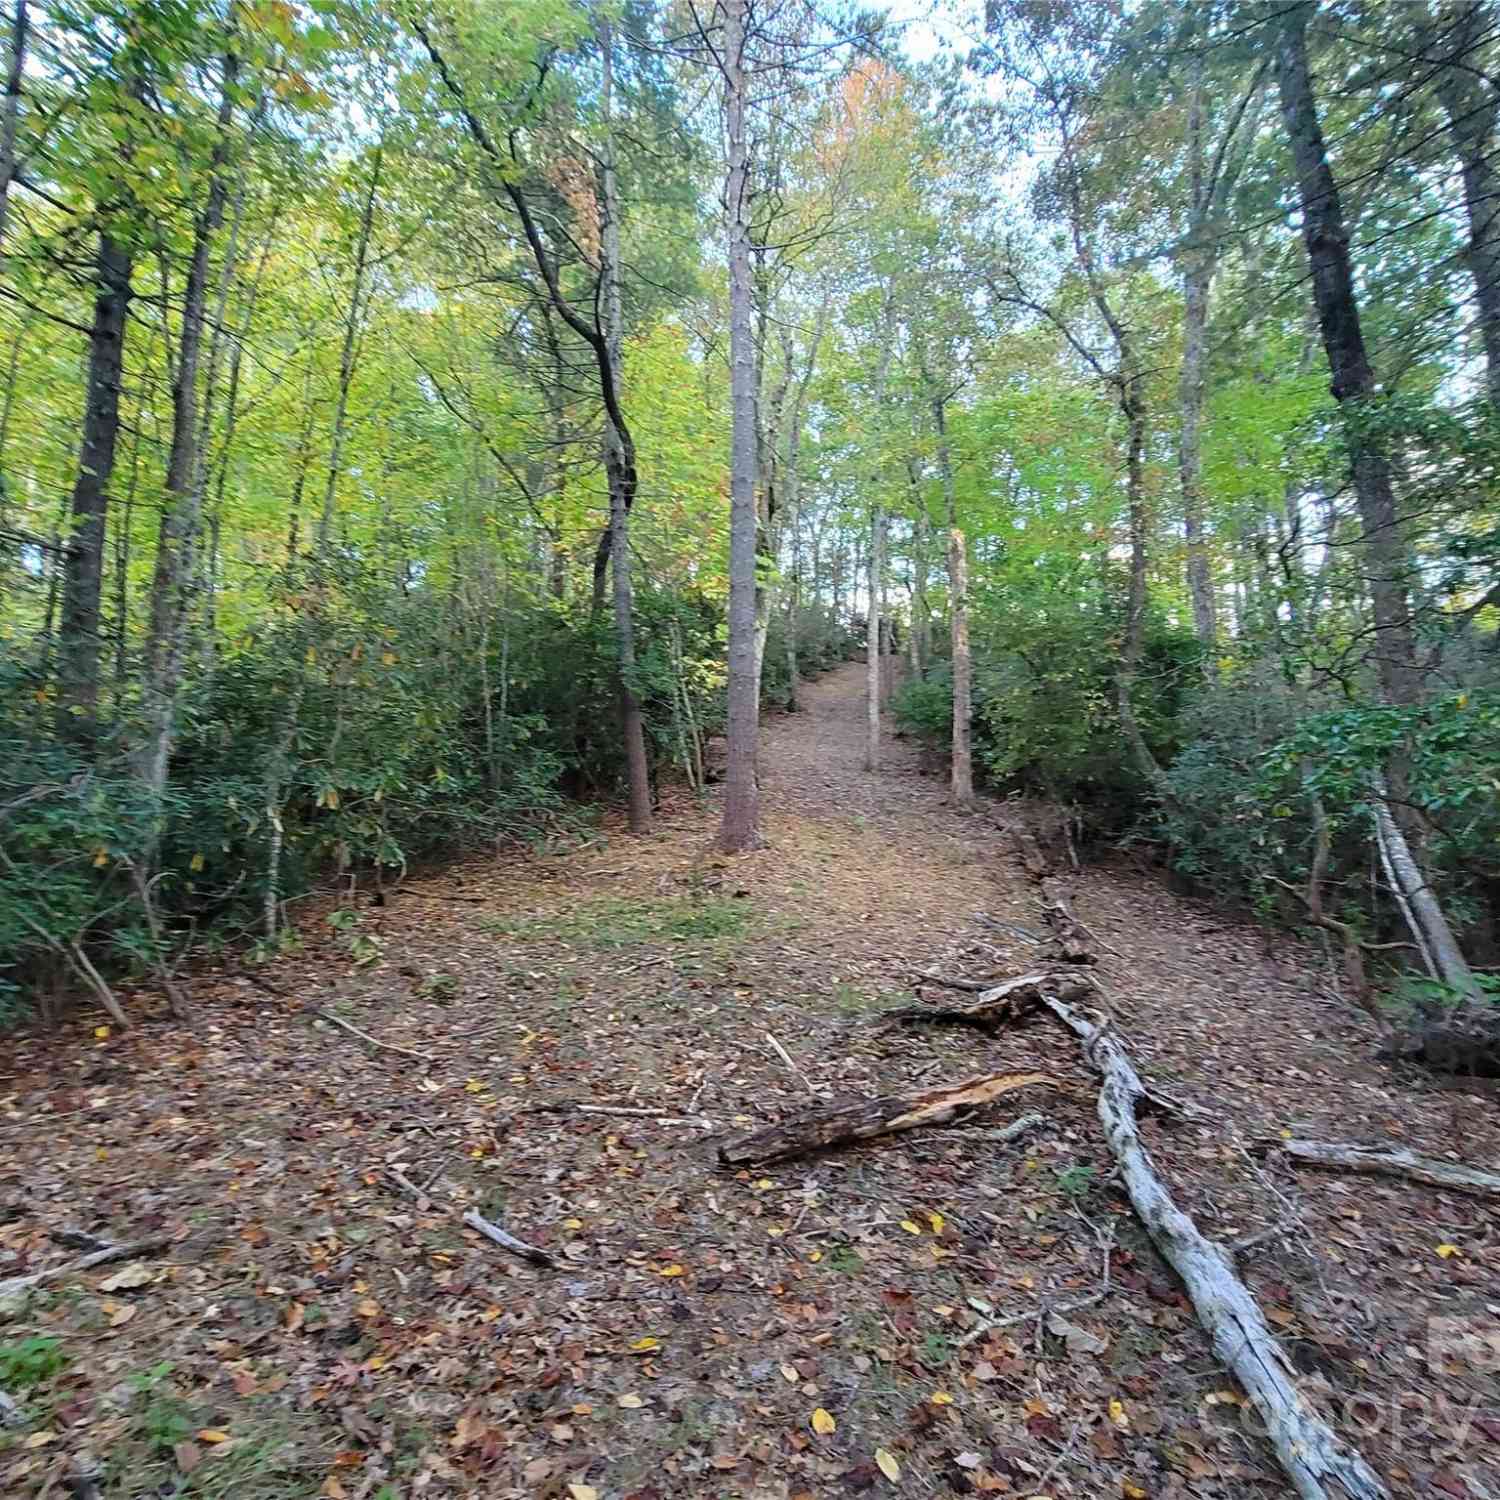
x=606, y=597
x=419, y=427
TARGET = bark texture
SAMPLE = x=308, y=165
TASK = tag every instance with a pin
x=872, y=1117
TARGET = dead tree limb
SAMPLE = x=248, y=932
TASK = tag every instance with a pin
x=365, y=1036
x=14, y=1284
x=1393, y=1161
x=866, y=1118
x=1313, y=1456
x=995, y=1005
x=1072, y=939
x=475, y=1220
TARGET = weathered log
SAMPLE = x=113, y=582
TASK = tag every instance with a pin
x=1313, y=1456
x=1070, y=936
x=873, y=1117
x=998, y=1004
x=1393, y=1161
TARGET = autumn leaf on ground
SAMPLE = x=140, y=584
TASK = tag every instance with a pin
x=885, y=1461
x=134, y=1275
x=822, y=1422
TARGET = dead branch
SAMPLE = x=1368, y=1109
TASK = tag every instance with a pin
x=475, y=1220
x=949, y=982
x=1044, y=1310
x=1356, y=1156
x=1072, y=938
x=1314, y=1458
x=867, y=1118
x=365, y=1036
x=507, y=1241
x=995, y=1006
x=1021, y=1125
x=151, y=1246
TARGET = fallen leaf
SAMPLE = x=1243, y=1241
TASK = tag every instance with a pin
x=967, y=1460
x=1445, y=1251
x=296, y=1314
x=1117, y=1415
x=188, y=1456
x=631, y=1402
x=1132, y=1491
x=822, y=1422
x=886, y=1463
x=911, y=1226
x=133, y=1275
x=941, y=1398
x=367, y=1307
x=211, y=1435
x=790, y=1374
x=40, y=1439
x=122, y=1315
x=1078, y=1340
x=672, y=1270
x=583, y=1492
x=333, y=1490
x=936, y=1220
x=645, y=1345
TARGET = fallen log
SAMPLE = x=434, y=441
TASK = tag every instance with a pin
x=867, y=1118
x=1313, y=1456
x=1392, y=1161
x=996, y=1005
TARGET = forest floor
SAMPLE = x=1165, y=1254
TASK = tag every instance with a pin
x=594, y=1023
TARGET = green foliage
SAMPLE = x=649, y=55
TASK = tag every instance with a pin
x=31, y=1361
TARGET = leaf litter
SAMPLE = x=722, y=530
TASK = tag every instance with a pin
x=806, y=1331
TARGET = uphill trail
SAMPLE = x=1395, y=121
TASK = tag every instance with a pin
x=580, y=1030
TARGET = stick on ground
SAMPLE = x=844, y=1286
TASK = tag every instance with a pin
x=1393, y=1161
x=365, y=1036
x=102, y=1257
x=493, y=1232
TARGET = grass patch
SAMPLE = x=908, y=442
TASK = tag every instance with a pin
x=616, y=922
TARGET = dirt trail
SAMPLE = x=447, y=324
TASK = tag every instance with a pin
x=314, y=1333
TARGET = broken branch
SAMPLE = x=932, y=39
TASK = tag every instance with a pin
x=1355, y=1156
x=85, y=1263
x=996, y=1004
x=475, y=1220
x=365, y=1036
x=867, y=1118
x=1314, y=1458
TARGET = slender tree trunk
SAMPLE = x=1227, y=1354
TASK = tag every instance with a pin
x=10, y=112
x=1470, y=102
x=920, y=641
x=874, y=626
x=83, y=558
x=961, y=773
x=172, y=581
x=740, y=826
x=1196, y=284
x=348, y=350
x=1133, y=640
x=632, y=723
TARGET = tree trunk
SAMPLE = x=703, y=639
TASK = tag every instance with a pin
x=10, y=113
x=1196, y=284
x=961, y=773
x=172, y=579
x=1470, y=102
x=920, y=642
x=621, y=481
x=740, y=826
x=874, y=626
x=1353, y=378
x=83, y=558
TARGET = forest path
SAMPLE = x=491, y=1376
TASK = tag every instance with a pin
x=313, y=1332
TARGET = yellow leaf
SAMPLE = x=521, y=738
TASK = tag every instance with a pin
x=816, y=1256
x=941, y=1398
x=886, y=1463
x=212, y=1435
x=911, y=1226
x=645, y=1345
x=1117, y=1415
x=101, y=858
x=1447, y=1252
x=822, y=1422
x=367, y=1307
x=936, y=1220
x=389, y=658
x=583, y=1492
x=1132, y=1491
x=673, y=1270
x=473, y=1086
x=630, y=1401
x=196, y=862
x=40, y=1439
x=101, y=1032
